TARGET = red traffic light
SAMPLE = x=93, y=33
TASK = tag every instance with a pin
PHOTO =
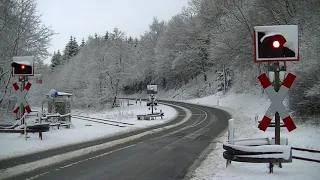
x=276, y=44
x=275, y=40
x=21, y=69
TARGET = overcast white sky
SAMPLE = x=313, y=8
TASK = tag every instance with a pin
x=81, y=18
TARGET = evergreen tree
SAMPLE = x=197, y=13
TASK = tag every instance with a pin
x=59, y=56
x=56, y=59
x=130, y=40
x=71, y=49
x=66, y=52
x=106, y=37
x=74, y=47
x=82, y=43
x=53, y=61
x=135, y=42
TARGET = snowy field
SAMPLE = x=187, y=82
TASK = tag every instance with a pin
x=244, y=107
x=82, y=131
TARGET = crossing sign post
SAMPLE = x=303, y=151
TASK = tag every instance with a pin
x=273, y=44
x=276, y=102
x=22, y=67
x=21, y=94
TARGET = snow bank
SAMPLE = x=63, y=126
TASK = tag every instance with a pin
x=244, y=107
x=9, y=172
x=15, y=145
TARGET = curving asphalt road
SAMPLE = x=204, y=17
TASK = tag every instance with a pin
x=165, y=155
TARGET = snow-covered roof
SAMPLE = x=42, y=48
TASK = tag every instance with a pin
x=64, y=94
x=26, y=60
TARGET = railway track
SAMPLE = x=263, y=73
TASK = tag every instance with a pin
x=102, y=121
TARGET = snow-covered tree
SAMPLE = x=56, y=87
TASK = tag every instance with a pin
x=145, y=50
x=106, y=36
x=22, y=33
x=56, y=59
x=71, y=49
x=82, y=43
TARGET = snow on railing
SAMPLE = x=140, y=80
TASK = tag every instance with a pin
x=258, y=150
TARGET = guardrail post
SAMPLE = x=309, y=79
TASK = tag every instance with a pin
x=231, y=131
x=230, y=136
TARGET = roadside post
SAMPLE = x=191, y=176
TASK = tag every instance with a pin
x=152, y=91
x=275, y=44
x=230, y=136
x=22, y=67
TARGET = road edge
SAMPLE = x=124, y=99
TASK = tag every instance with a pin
x=203, y=155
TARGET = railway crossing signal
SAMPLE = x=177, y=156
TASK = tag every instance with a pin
x=22, y=66
x=276, y=43
x=21, y=97
x=276, y=102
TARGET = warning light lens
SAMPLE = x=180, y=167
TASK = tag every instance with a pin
x=276, y=44
x=23, y=67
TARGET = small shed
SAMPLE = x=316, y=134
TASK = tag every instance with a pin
x=60, y=104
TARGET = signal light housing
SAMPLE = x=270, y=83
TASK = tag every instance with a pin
x=276, y=43
x=22, y=66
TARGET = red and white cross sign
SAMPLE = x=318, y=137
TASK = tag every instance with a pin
x=276, y=102
x=21, y=97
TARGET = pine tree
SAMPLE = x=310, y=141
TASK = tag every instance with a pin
x=82, y=43
x=56, y=59
x=71, y=50
x=59, y=56
x=67, y=51
x=135, y=42
x=106, y=37
x=53, y=60
x=74, y=47
x=130, y=40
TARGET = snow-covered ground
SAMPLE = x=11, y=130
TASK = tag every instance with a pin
x=82, y=131
x=244, y=107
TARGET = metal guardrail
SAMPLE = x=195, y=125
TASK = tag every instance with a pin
x=103, y=121
x=148, y=116
x=259, y=150
x=307, y=150
x=242, y=150
x=253, y=155
x=30, y=129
